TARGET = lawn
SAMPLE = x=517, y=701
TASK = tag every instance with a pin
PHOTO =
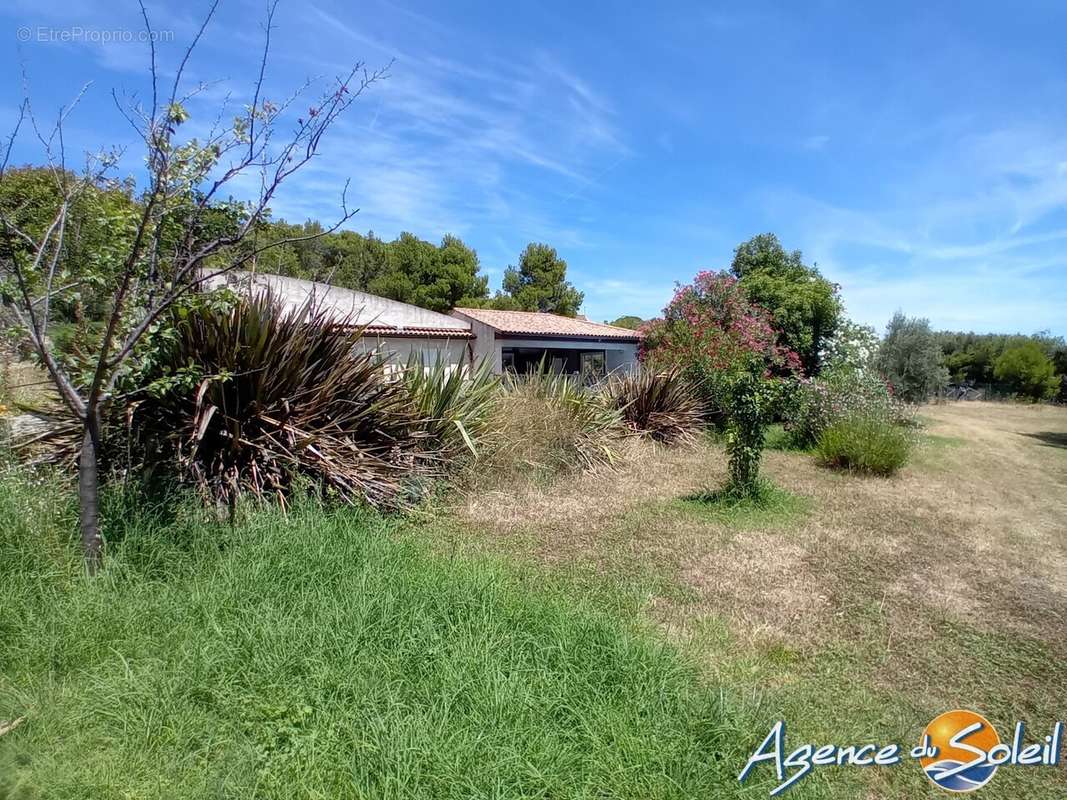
x=858, y=612
x=322, y=655
x=601, y=637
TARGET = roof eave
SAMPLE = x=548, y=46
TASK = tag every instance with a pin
x=581, y=337
x=417, y=333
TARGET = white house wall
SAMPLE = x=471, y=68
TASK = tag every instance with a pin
x=486, y=345
x=398, y=349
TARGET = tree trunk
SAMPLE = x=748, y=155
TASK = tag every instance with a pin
x=89, y=493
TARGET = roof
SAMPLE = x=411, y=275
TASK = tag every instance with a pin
x=381, y=316
x=538, y=323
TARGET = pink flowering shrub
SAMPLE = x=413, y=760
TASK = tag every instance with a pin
x=710, y=330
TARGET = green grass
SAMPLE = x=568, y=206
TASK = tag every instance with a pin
x=778, y=438
x=320, y=655
x=772, y=506
x=936, y=442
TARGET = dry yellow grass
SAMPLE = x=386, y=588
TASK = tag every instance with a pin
x=975, y=527
x=23, y=383
x=944, y=586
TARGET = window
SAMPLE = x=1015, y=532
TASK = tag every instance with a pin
x=592, y=364
x=523, y=360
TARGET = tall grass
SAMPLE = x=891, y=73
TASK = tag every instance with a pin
x=315, y=655
x=548, y=425
x=865, y=444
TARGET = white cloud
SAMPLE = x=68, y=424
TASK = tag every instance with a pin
x=965, y=239
x=445, y=143
x=816, y=142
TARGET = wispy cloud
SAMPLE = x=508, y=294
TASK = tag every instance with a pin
x=604, y=297
x=454, y=145
x=971, y=247
x=816, y=142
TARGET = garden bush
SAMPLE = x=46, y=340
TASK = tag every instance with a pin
x=864, y=443
x=454, y=406
x=658, y=404
x=710, y=330
x=811, y=406
x=749, y=398
x=251, y=397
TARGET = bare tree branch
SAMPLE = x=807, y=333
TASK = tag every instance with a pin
x=172, y=245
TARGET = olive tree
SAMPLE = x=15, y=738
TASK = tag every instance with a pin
x=910, y=359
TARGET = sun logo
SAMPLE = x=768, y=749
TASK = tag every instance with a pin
x=957, y=746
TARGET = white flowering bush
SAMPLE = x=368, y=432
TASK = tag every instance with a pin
x=816, y=404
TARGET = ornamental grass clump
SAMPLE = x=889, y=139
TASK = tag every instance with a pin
x=454, y=406
x=658, y=404
x=547, y=425
x=250, y=398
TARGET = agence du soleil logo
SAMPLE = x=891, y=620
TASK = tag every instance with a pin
x=960, y=751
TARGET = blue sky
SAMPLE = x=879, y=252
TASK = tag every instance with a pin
x=916, y=151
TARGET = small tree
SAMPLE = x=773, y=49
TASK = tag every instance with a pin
x=1027, y=371
x=911, y=360
x=804, y=306
x=178, y=236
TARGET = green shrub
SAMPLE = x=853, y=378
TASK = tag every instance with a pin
x=811, y=406
x=659, y=404
x=454, y=406
x=865, y=444
x=250, y=397
x=1027, y=371
x=748, y=402
x=710, y=330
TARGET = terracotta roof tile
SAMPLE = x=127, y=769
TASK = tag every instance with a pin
x=538, y=323
x=407, y=332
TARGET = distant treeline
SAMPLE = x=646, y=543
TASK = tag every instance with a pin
x=412, y=270
x=972, y=357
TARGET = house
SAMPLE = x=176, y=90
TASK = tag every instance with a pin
x=396, y=329
x=522, y=340
x=511, y=340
